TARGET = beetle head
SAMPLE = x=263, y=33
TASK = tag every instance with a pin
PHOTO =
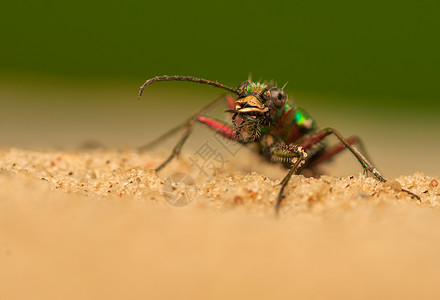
x=257, y=105
x=259, y=98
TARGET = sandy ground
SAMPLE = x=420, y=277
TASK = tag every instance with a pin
x=101, y=224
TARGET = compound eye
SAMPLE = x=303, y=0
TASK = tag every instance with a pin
x=244, y=88
x=276, y=97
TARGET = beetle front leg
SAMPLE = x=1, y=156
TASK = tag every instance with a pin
x=178, y=147
x=297, y=156
x=220, y=128
x=229, y=101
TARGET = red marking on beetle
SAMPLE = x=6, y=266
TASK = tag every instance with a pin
x=222, y=129
x=434, y=183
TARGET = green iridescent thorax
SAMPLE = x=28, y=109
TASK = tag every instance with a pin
x=255, y=88
x=303, y=119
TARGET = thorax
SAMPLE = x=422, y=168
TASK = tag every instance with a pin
x=290, y=125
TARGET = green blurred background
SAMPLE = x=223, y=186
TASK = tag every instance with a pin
x=70, y=70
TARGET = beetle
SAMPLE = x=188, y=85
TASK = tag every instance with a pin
x=262, y=115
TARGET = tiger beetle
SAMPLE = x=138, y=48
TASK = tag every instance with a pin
x=261, y=115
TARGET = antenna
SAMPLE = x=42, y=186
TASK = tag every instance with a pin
x=184, y=78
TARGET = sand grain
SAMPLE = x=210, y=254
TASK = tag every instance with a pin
x=94, y=224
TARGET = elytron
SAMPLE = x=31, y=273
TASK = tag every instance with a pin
x=261, y=115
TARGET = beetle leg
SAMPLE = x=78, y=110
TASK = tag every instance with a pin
x=178, y=147
x=297, y=157
x=368, y=167
x=328, y=154
x=363, y=161
x=220, y=127
x=229, y=100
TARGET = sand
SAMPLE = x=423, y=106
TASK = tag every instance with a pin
x=95, y=224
